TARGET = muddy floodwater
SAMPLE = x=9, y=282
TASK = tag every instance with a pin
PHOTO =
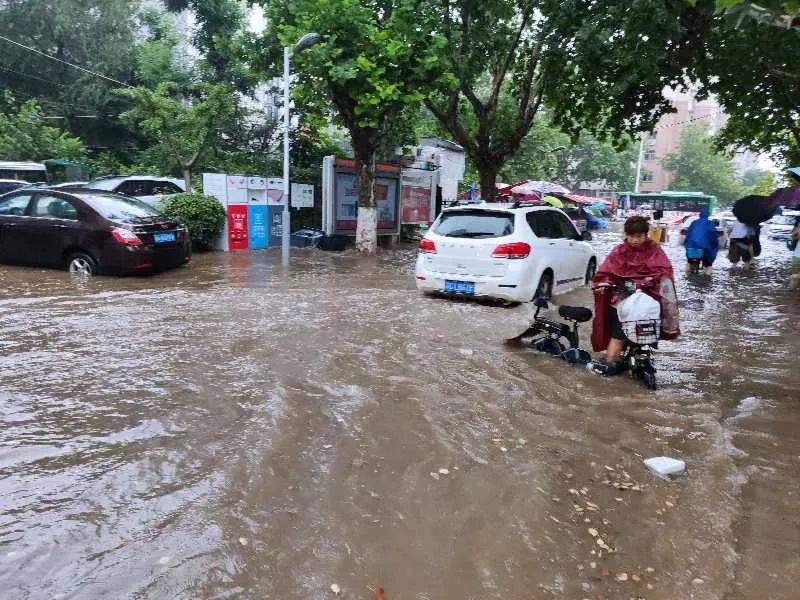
x=227, y=431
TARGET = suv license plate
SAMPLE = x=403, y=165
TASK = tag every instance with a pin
x=459, y=287
x=163, y=238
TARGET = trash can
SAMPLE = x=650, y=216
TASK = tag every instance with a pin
x=307, y=238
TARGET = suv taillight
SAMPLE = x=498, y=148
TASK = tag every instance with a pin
x=427, y=246
x=126, y=237
x=513, y=250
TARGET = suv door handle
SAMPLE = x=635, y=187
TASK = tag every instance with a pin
x=60, y=226
x=9, y=224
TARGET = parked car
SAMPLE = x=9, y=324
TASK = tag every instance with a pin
x=781, y=226
x=144, y=187
x=88, y=231
x=9, y=185
x=503, y=252
x=23, y=170
x=578, y=217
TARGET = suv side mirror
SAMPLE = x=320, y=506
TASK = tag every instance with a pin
x=586, y=236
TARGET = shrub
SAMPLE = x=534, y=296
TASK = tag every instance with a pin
x=203, y=215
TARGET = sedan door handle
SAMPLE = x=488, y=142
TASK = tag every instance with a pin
x=60, y=226
x=9, y=224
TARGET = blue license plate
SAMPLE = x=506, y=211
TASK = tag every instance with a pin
x=163, y=238
x=459, y=287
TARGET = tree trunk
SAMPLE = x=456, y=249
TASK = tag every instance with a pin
x=488, y=178
x=367, y=228
x=187, y=177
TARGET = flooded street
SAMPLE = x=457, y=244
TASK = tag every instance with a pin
x=227, y=431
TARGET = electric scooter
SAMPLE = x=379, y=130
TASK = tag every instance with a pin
x=641, y=339
x=555, y=337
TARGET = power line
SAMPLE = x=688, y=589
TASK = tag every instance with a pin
x=5, y=68
x=74, y=66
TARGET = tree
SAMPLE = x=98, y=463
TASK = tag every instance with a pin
x=699, y=167
x=98, y=36
x=376, y=59
x=495, y=86
x=219, y=37
x=760, y=101
x=25, y=136
x=179, y=129
x=155, y=54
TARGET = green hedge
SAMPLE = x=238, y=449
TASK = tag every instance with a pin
x=203, y=215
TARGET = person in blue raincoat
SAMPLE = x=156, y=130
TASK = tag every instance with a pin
x=702, y=241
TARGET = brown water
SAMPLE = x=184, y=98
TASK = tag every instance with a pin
x=225, y=431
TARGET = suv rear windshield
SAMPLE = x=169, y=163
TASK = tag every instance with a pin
x=120, y=208
x=475, y=224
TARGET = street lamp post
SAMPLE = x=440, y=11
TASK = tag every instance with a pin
x=304, y=42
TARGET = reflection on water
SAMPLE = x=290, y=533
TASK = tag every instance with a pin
x=228, y=430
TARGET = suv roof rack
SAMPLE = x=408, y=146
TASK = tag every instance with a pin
x=521, y=203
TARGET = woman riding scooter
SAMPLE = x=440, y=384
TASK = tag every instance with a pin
x=642, y=262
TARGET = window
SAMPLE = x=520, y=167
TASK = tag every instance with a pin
x=544, y=225
x=165, y=188
x=647, y=177
x=475, y=224
x=10, y=186
x=650, y=154
x=54, y=207
x=568, y=230
x=136, y=188
x=119, y=208
x=15, y=206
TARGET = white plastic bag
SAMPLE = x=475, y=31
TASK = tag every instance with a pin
x=640, y=317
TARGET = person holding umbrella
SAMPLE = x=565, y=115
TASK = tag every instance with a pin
x=750, y=212
x=742, y=246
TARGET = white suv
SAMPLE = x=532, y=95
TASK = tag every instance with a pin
x=504, y=251
x=144, y=187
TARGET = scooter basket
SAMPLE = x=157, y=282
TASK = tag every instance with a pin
x=644, y=332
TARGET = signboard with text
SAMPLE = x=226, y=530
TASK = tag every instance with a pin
x=302, y=195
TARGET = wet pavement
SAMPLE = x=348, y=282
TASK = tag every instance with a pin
x=226, y=431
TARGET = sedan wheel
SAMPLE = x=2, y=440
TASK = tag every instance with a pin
x=81, y=264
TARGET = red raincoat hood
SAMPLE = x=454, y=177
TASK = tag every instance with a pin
x=636, y=263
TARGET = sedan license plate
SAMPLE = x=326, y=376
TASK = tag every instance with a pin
x=163, y=238
x=459, y=287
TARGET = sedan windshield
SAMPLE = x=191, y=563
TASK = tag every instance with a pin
x=475, y=224
x=121, y=208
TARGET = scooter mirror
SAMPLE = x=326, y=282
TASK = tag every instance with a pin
x=541, y=303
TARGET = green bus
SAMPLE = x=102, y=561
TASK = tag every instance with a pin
x=672, y=203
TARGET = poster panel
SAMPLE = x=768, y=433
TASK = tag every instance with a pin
x=346, y=203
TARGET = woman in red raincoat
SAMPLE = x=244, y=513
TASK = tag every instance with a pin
x=641, y=260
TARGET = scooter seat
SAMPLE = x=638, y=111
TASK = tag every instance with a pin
x=575, y=313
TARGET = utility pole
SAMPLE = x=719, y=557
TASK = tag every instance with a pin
x=639, y=164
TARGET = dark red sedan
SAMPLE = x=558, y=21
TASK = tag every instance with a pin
x=89, y=231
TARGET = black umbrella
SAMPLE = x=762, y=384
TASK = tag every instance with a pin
x=754, y=210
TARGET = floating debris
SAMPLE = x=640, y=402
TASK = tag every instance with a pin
x=622, y=577
x=592, y=532
x=665, y=466
x=336, y=589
